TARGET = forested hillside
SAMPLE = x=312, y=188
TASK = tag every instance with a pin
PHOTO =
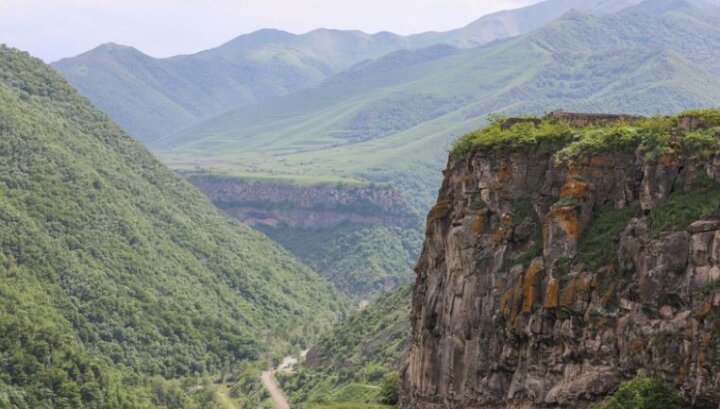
x=357, y=363
x=113, y=269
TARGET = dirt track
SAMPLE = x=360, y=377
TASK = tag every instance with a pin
x=276, y=394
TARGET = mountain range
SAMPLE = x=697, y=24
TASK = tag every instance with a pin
x=389, y=119
x=152, y=98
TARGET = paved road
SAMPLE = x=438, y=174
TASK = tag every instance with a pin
x=275, y=393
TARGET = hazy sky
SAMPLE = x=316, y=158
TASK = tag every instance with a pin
x=52, y=29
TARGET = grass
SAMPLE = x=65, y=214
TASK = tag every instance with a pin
x=547, y=136
x=642, y=392
x=652, y=136
x=684, y=207
x=598, y=244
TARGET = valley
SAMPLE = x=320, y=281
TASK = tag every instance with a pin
x=412, y=221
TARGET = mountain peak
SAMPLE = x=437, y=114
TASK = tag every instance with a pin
x=114, y=47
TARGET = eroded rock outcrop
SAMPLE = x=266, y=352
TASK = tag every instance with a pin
x=274, y=204
x=545, y=283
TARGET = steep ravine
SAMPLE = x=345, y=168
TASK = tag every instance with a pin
x=550, y=273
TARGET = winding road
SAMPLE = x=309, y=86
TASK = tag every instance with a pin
x=276, y=394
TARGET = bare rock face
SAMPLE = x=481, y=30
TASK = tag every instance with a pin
x=511, y=311
x=267, y=203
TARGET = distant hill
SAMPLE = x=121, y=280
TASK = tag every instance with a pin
x=386, y=121
x=152, y=98
x=113, y=269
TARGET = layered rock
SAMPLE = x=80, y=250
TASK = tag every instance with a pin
x=305, y=206
x=509, y=313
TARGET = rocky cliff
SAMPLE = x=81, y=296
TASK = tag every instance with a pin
x=363, y=239
x=305, y=206
x=562, y=259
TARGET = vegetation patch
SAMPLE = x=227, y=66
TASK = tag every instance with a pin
x=684, y=207
x=642, y=392
x=597, y=244
x=653, y=136
x=356, y=362
x=546, y=136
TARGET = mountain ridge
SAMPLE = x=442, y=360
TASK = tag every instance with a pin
x=633, y=62
x=153, y=97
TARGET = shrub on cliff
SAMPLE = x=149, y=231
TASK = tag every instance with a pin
x=390, y=388
x=654, y=136
x=642, y=393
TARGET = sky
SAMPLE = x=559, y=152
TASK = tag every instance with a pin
x=54, y=29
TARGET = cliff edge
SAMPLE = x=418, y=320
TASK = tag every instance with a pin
x=566, y=254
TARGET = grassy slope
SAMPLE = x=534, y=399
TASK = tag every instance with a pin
x=110, y=261
x=347, y=366
x=643, y=63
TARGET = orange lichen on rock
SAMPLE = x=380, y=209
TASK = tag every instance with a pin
x=505, y=302
x=440, y=210
x=551, y=294
x=479, y=224
x=603, y=161
x=636, y=346
x=530, y=286
x=576, y=288
x=703, y=310
x=504, y=174
x=502, y=234
x=566, y=218
x=667, y=159
x=574, y=189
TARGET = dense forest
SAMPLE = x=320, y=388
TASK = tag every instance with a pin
x=115, y=273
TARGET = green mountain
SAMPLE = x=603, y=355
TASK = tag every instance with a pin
x=511, y=23
x=348, y=365
x=386, y=121
x=153, y=98
x=113, y=269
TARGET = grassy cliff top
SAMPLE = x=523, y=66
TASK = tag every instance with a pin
x=570, y=135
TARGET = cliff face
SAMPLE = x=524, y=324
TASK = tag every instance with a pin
x=546, y=282
x=298, y=206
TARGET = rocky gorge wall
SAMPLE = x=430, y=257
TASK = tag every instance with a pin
x=545, y=283
x=305, y=206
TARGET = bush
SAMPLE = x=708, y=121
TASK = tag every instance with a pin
x=390, y=388
x=642, y=393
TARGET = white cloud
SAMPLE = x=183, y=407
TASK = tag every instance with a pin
x=53, y=29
